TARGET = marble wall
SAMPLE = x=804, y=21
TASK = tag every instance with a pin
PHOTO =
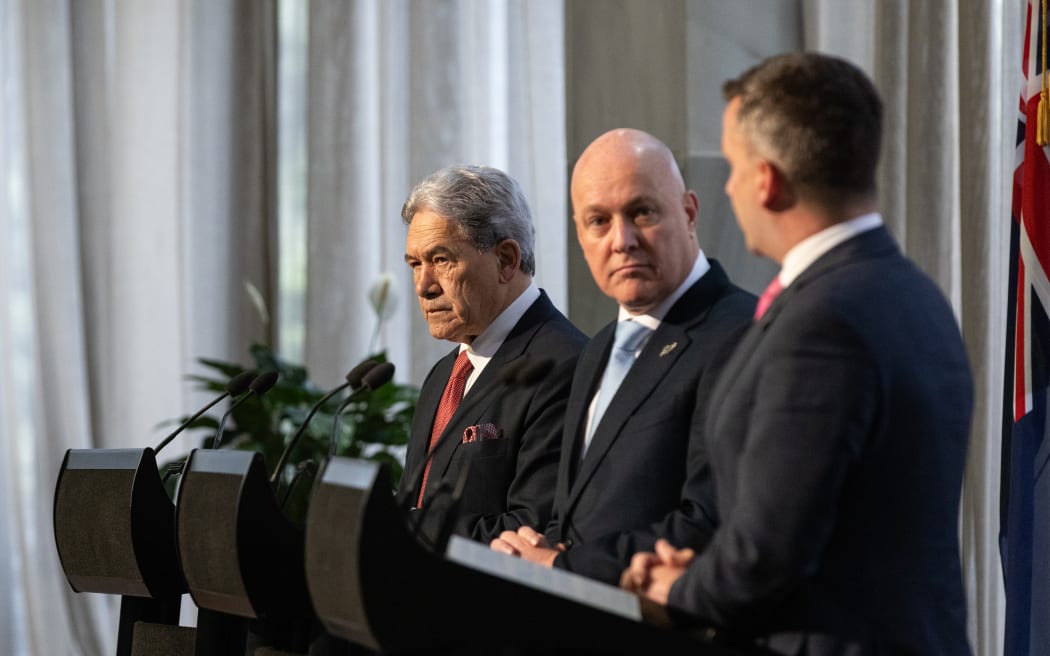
x=659, y=67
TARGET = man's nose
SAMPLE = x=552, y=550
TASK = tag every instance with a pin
x=624, y=234
x=426, y=284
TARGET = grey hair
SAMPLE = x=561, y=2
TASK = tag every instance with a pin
x=488, y=205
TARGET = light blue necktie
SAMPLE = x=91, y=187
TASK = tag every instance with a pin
x=629, y=336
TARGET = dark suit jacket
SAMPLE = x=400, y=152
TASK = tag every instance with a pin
x=632, y=485
x=837, y=441
x=511, y=479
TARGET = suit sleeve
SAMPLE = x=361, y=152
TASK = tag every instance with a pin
x=693, y=521
x=805, y=424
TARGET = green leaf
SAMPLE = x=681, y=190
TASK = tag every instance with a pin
x=374, y=422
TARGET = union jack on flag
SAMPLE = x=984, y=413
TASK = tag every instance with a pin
x=1024, y=531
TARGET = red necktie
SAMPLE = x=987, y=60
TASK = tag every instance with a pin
x=450, y=399
x=766, y=299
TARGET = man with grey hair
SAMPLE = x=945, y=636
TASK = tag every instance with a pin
x=471, y=247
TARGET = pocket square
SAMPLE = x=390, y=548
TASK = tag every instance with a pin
x=480, y=432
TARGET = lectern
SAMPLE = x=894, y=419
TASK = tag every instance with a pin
x=241, y=556
x=115, y=534
x=372, y=584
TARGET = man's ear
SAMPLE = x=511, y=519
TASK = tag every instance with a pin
x=775, y=192
x=691, y=205
x=509, y=255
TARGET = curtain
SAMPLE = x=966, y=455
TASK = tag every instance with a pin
x=44, y=405
x=397, y=90
x=136, y=172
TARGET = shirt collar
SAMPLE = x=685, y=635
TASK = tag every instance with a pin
x=807, y=251
x=485, y=345
x=654, y=317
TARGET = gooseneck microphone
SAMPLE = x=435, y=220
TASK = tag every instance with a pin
x=236, y=386
x=354, y=379
x=260, y=385
x=380, y=375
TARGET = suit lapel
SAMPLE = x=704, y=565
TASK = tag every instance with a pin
x=653, y=363
x=489, y=387
x=663, y=350
x=867, y=244
x=872, y=243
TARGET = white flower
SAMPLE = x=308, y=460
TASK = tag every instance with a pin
x=382, y=297
x=257, y=300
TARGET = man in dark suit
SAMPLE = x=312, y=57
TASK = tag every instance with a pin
x=838, y=435
x=629, y=471
x=471, y=247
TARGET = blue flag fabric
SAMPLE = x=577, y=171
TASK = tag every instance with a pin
x=1024, y=530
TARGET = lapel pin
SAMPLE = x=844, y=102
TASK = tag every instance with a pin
x=667, y=349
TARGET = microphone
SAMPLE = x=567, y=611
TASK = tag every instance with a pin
x=357, y=375
x=235, y=387
x=379, y=375
x=260, y=385
x=354, y=377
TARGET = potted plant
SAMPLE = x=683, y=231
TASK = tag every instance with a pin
x=375, y=425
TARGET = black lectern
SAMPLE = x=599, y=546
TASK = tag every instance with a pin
x=241, y=557
x=115, y=534
x=374, y=585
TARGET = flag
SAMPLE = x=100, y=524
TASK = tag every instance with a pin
x=1024, y=529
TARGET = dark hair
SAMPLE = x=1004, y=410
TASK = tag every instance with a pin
x=818, y=118
x=488, y=205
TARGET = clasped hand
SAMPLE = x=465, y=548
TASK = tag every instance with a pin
x=528, y=545
x=651, y=575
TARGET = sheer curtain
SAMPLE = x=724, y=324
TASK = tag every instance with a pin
x=135, y=169
x=397, y=90
x=44, y=405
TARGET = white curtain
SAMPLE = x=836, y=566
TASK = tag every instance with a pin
x=135, y=170
x=44, y=404
x=398, y=89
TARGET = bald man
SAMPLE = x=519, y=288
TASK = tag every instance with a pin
x=630, y=470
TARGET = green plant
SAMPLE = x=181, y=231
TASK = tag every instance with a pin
x=373, y=426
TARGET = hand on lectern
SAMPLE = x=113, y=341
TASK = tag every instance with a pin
x=528, y=545
x=651, y=575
